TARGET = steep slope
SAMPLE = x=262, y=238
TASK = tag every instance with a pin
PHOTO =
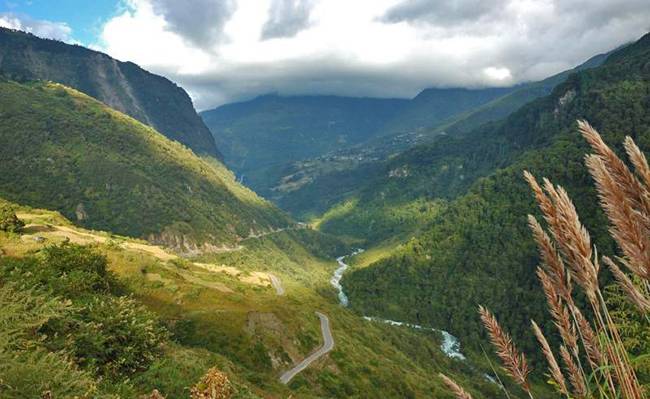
x=478, y=248
x=124, y=86
x=63, y=150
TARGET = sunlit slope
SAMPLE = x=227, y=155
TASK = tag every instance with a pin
x=63, y=150
x=222, y=311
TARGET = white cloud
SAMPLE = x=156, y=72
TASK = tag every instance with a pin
x=47, y=29
x=497, y=74
x=140, y=35
x=228, y=50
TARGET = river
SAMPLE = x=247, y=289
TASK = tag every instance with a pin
x=450, y=345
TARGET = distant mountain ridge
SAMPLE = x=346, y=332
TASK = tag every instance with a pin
x=520, y=95
x=124, y=86
x=260, y=137
x=412, y=151
x=434, y=105
x=286, y=148
x=263, y=137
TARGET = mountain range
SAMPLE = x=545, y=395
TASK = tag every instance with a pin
x=263, y=138
x=132, y=263
x=477, y=247
x=135, y=263
x=308, y=153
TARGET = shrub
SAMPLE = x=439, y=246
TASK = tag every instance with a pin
x=67, y=270
x=9, y=222
x=79, y=269
x=115, y=335
x=107, y=334
x=27, y=370
x=213, y=385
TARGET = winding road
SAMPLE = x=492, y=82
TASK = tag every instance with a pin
x=328, y=345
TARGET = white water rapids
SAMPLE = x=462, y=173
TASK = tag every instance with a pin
x=450, y=345
x=338, y=275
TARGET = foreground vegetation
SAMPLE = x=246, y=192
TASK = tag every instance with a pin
x=92, y=314
x=603, y=349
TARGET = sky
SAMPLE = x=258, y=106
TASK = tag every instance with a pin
x=231, y=50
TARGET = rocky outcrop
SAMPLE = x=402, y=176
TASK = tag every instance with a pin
x=187, y=245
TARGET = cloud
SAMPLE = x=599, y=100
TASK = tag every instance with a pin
x=142, y=35
x=47, y=29
x=199, y=21
x=363, y=48
x=443, y=13
x=287, y=17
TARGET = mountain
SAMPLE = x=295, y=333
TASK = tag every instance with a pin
x=263, y=139
x=505, y=105
x=63, y=150
x=102, y=313
x=476, y=248
x=433, y=106
x=331, y=179
x=124, y=86
x=260, y=136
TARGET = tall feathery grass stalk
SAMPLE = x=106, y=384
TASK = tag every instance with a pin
x=568, y=256
x=514, y=361
x=459, y=392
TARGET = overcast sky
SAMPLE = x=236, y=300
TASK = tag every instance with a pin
x=228, y=50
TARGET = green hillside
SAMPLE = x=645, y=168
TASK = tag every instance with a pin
x=431, y=107
x=124, y=86
x=108, y=316
x=478, y=248
x=63, y=150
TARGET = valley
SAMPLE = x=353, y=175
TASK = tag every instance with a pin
x=331, y=224
x=449, y=345
x=230, y=296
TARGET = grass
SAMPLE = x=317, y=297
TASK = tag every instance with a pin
x=252, y=334
x=596, y=361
